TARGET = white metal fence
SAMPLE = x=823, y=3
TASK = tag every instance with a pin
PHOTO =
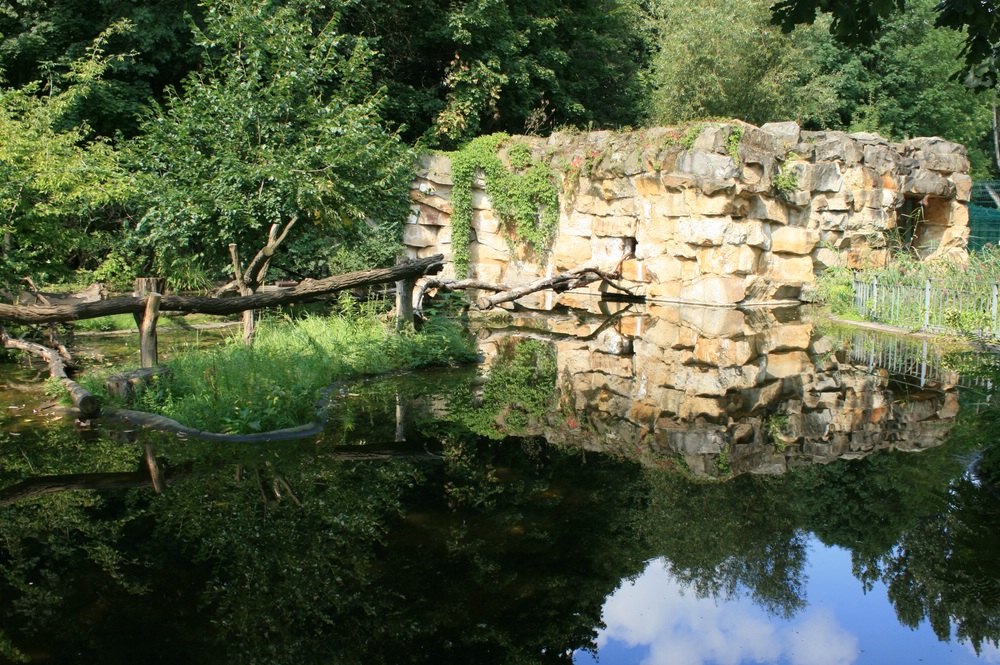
x=934, y=306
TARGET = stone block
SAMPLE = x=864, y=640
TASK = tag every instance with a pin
x=787, y=337
x=418, y=235
x=484, y=221
x=488, y=270
x=728, y=260
x=613, y=364
x=668, y=290
x=431, y=200
x=435, y=167
x=788, y=363
x=712, y=322
x=708, y=165
x=793, y=240
x=724, y=351
x=824, y=177
x=617, y=188
x=963, y=187
x=621, y=227
x=479, y=252
x=714, y=290
x=577, y=224
x=480, y=200
x=942, y=162
x=789, y=269
x=923, y=182
x=834, y=147
x=569, y=252
x=768, y=209
x=607, y=252
x=634, y=271
x=787, y=133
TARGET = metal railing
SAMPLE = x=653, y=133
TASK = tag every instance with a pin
x=934, y=306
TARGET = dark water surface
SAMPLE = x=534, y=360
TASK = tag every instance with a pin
x=662, y=486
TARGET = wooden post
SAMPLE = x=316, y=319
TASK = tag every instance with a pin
x=249, y=315
x=146, y=320
x=404, y=303
x=147, y=332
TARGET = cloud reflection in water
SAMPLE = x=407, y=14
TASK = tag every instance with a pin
x=658, y=617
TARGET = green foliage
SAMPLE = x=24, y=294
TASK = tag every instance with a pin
x=519, y=388
x=725, y=60
x=524, y=196
x=776, y=426
x=733, y=143
x=59, y=192
x=835, y=290
x=857, y=22
x=42, y=39
x=279, y=381
x=280, y=121
x=454, y=71
x=787, y=180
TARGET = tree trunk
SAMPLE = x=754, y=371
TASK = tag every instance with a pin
x=307, y=290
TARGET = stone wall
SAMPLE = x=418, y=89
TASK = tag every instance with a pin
x=684, y=220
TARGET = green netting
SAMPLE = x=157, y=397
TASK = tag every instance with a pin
x=984, y=214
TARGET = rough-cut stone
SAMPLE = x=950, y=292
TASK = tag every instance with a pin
x=793, y=240
x=714, y=290
x=695, y=225
x=787, y=133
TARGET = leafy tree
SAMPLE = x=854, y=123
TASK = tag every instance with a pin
x=458, y=70
x=43, y=37
x=726, y=61
x=280, y=122
x=60, y=192
x=858, y=21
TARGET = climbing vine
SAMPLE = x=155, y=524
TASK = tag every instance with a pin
x=524, y=195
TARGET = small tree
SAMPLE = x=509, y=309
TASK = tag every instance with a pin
x=279, y=123
x=59, y=191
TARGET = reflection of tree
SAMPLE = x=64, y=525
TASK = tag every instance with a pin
x=391, y=561
x=731, y=538
x=931, y=539
x=519, y=389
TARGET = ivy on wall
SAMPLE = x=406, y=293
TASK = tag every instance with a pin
x=522, y=192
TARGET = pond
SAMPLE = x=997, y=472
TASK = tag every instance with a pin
x=632, y=485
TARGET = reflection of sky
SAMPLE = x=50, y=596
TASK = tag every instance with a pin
x=657, y=621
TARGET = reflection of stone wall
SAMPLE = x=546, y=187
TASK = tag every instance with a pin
x=693, y=225
x=711, y=386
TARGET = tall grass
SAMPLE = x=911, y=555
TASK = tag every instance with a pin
x=278, y=381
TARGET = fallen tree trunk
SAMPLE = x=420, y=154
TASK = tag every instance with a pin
x=564, y=281
x=84, y=401
x=306, y=290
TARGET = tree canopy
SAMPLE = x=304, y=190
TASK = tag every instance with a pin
x=280, y=121
x=858, y=21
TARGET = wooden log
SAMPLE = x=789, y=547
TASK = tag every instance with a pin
x=307, y=290
x=81, y=397
x=125, y=385
x=147, y=331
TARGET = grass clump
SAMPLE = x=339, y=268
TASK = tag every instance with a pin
x=278, y=381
